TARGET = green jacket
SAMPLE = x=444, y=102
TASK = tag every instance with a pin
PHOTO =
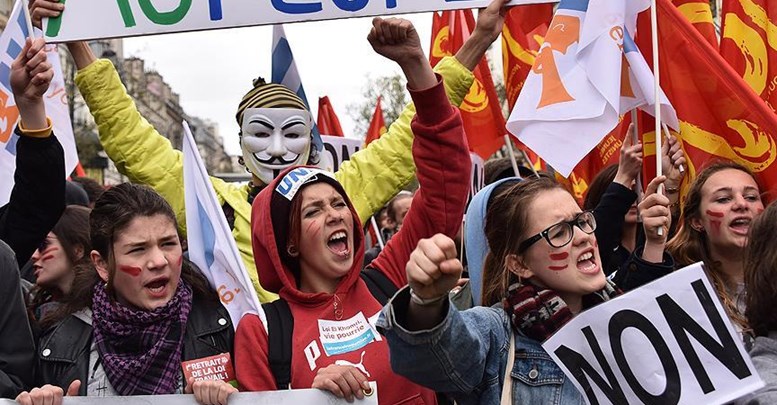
x=371, y=177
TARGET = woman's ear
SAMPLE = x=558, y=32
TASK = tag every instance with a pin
x=697, y=224
x=516, y=266
x=100, y=265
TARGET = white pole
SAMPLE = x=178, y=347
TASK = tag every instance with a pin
x=377, y=232
x=657, y=92
x=512, y=155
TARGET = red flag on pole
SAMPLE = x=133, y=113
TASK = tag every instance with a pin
x=328, y=123
x=484, y=122
x=377, y=125
x=720, y=115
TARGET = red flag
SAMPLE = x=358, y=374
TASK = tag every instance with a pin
x=377, y=125
x=79, y=170
x=484, y=122
x=699, y=13
x=720, y=115
x=328, y=123
x=749, y=44
x=523, y=32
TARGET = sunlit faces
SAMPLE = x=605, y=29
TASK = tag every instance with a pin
x=52, y=268
x=147, y=262
x=572, y=270
x=274, y=139
x=730, y=199
x=326, y=240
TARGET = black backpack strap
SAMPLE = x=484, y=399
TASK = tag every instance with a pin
x=280, y=327
x=379, y=285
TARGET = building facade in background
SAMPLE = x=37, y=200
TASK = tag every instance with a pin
x=155, y=100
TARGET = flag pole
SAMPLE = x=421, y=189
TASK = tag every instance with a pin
x=635, y=140
x=512, y=155
x=377, y=232
x=28, y=19
x=668, y=134
x=657, y=92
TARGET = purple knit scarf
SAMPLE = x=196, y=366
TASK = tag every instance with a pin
x=141, y=350
x=539, y=312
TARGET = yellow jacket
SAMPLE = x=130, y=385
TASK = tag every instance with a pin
x=371, y=177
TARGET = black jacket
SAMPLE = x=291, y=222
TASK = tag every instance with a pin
x=38, y=196
x=17, y=348
x=63, y=354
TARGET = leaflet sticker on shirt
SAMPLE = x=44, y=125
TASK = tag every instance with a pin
x=340, y=337
x=295, y=179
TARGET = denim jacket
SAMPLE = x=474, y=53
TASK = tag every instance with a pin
x=465, y=356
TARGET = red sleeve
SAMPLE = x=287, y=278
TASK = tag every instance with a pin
x=251, y=364
x=441, y=155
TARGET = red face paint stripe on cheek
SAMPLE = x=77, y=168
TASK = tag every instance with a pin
x=131, y=270
x=557, y=268
x=715, y=214
x=48, y=257
x=559, y=256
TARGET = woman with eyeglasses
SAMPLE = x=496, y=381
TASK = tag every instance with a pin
x=542, y=269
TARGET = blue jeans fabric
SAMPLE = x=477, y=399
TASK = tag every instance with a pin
x=465, y=356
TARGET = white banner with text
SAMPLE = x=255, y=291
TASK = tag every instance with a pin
x=94, y=19
x=667, y=342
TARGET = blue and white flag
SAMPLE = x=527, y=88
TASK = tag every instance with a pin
x=211, y=244
x=284, y=72
x=11, y=44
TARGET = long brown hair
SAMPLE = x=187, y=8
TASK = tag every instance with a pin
x=689, y=245
x=112, y=213
x=761, y=273
x=506, y=223
x=72, y=232
x=599, y=185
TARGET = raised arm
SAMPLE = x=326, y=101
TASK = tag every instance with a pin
x=440, y=151
x=375, y=174
x=38, y=197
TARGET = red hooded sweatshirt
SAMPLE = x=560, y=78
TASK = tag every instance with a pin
x=323, y=336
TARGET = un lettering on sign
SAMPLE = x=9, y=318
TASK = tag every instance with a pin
x=126, y=18
x=668, y=342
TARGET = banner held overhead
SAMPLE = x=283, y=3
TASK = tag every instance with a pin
x=127, y=18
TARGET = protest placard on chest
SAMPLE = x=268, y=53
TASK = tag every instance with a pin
x=126, y=18
x=668, y=342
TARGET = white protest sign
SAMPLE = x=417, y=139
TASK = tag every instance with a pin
x=667, y=342
x=337, y=150
x=285, y=397
x=126, y=18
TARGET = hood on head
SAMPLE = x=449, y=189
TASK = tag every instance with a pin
x=475, y=236
x=270, y=215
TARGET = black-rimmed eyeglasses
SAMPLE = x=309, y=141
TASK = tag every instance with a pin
x=560, y=234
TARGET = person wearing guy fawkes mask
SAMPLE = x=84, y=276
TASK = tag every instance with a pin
x=371, y=177
x=275, y=133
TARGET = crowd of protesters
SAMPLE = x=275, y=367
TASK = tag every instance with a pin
x=100, y=299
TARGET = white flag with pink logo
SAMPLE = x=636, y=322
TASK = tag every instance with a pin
x=588, y=72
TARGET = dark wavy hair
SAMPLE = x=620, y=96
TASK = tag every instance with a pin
x=112, y=214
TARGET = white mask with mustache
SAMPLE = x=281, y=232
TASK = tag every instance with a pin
x=274, y=139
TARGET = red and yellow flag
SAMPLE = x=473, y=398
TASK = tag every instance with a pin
x=720, y=116
x=484, y=122
x=749, y=44
x=377, y=125
x=699, y=13
x=328, y=123
x=523, y=32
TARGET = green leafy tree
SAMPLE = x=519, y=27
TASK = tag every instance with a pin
x=392, y=89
